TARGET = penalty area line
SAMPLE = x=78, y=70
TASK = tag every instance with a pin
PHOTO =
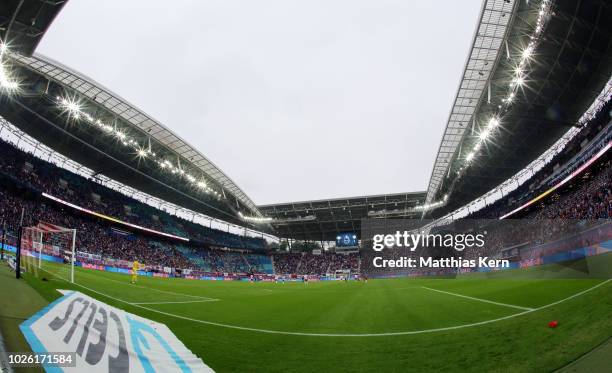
x=479, y=299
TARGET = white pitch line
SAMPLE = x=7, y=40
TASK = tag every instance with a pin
x=479, y=299
x=178, y=302
x=349, y=335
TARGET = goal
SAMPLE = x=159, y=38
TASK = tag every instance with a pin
x=342, y=274
x=49, y=248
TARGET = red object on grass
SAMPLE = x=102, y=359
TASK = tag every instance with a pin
x=553, y=324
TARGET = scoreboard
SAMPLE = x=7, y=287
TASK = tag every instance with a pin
x=346, y=239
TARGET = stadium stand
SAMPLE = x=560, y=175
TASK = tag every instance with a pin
x=594, y=135
x=42, y=176
x=24, y=177
x=586, y=197
x=315, y=264
x=216, y=253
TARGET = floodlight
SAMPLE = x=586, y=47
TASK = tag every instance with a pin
x=493, y=122
x=484, y=134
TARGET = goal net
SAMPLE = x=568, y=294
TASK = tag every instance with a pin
x=343, y=274
x=48, y=249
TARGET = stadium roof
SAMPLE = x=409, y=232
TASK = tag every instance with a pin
x=199, y=184
x=487, y=46
x=136, y=117
x=39, y=112
x=24, y=22
x=322, y=220
x=533, y=69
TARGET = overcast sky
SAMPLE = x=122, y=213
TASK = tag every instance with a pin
x=294, y=100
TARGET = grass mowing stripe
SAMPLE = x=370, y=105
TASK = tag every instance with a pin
x=178, y=302
x=148, y=288
x=479, y=299
x=267, y=331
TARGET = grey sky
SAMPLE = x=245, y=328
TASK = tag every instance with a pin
x=294, y=100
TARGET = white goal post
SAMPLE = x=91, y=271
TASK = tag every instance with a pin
x=51, y=241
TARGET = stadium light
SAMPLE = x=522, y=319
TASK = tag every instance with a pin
x=120, y=135
x=6, y=81
x=254, y=219
x=75, y=111
x=142, y=153
x=429, y=206
x=527, y=52
x=493, y=123
x=517, y=81
x=484, y=134
x=71, y=106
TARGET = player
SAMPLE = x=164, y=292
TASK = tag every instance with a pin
x=134, y=271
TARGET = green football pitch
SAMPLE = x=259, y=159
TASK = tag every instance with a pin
x=479, y=322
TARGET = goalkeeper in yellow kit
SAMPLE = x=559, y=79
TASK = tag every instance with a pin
x=135, y=267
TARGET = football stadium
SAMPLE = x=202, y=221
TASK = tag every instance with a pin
x=126, y=249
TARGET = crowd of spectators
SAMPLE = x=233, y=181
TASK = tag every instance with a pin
x=286, y=262
x=582, y=203
x=306, y=263
x=218, y=261
x=23, y=177
x=589, y=198
x=91, y=237
x=593, y=135
x=46, y=177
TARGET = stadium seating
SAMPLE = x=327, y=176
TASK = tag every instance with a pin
x=593, y=136
x=46, y=177
x=587, y=197
x=315, y=264
x=23, y=177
